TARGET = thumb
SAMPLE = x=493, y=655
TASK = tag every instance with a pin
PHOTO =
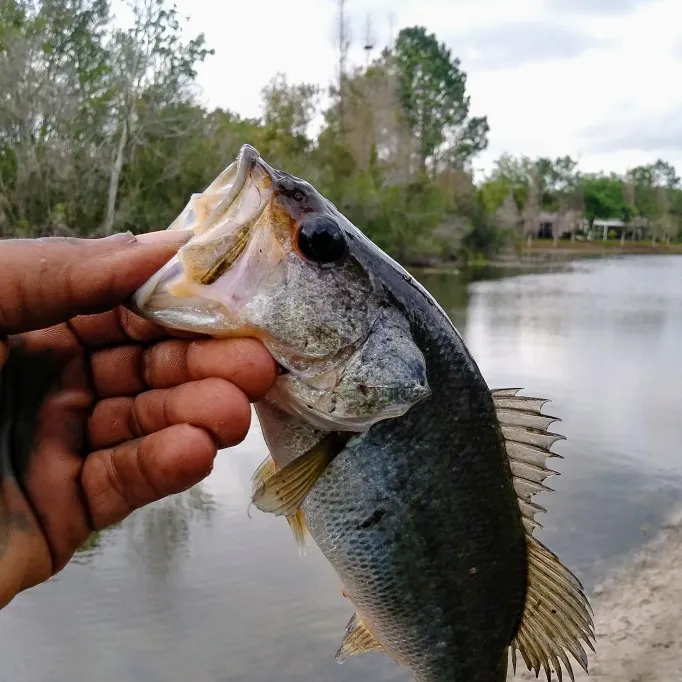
x=47, y=281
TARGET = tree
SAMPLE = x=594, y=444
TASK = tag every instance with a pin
x=663, y=174
x=511, y=172
x=531, y=211
x=507, y=215
x=153, y=69
x=566, y=221
x=53, y=67
x=343, y=45
x=433, y=96
x=101, y=129
x=288, y=111
x=629, y=201
x=665, y=225
x=603, y=197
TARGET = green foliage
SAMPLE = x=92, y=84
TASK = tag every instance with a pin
x=603, y=197
x=433, y=95
x=100, y=130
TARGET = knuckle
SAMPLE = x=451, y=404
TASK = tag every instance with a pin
x=115, y=479
x=164, y=364
x=239, y=420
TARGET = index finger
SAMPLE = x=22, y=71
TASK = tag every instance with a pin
x=58, y=278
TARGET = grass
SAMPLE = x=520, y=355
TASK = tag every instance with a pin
x=599, y=246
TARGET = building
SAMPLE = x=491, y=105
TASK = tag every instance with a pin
x=602, y=227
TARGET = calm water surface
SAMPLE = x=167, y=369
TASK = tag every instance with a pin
x=192, y=589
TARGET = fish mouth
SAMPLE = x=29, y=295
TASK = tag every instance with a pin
x=231, y=243
x=245, y=273
x=212, y=285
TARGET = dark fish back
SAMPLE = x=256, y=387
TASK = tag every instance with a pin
x=419, y=517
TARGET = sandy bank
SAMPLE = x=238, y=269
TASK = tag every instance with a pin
x=638, y=616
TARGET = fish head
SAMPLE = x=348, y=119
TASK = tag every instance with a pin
x=271, y=258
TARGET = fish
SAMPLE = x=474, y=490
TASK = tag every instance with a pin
x=386, y=446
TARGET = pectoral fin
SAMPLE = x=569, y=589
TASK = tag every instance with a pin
x=296, y=521
x=284, y=492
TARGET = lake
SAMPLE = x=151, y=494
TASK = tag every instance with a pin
x=193, y=589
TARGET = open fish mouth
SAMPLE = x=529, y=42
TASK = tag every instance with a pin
x=272, y=259
x=243, y=272
x=232, y=247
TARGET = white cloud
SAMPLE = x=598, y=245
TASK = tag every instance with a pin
x=597, y=6
x=518, y=43
x=563, y=68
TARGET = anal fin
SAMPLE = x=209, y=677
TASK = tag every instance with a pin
x=557, y=615
x=357, y=640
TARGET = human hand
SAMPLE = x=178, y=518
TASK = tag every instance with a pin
x=101, y=412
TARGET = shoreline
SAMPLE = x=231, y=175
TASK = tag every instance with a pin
x=637, y=610
x=542, y=254
x=600, y=248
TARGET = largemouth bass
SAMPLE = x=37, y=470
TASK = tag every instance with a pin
x=386, y=445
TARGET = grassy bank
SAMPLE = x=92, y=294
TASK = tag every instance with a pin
x=608, y=247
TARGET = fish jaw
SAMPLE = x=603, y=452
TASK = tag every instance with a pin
x=349, y=356
x=204, y=288
x=383, y=379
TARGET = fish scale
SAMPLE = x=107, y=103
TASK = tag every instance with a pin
x=447, y=559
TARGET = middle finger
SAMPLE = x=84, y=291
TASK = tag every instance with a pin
x=130, y=369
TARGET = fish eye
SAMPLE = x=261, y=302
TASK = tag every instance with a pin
x=321, y=239
x=298, y=195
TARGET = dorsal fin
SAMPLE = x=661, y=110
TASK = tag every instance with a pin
x=296, y=521
x=557, y=614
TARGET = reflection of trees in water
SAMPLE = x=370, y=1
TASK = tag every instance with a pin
x=650, y=323
x=160, y=533
x=95, y=545
x=452, y=293
x=91, y=545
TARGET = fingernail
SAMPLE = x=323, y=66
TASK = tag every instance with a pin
x=166, y=237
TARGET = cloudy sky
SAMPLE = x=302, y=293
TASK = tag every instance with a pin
x=597, y=79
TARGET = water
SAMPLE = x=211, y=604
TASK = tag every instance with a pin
x=192, y=589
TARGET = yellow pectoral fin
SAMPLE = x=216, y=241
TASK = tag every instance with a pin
x=263, y=474
x=284, y=492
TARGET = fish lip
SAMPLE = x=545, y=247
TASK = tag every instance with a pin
x=247, y=160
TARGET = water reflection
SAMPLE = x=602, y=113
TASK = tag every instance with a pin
x=192, y=588
x=160, y=537
x=601, y=340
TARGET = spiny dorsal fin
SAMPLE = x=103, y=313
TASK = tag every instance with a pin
x=557, y=614
x=357, y=640
x=284, y=491
x=527, y=442
x=296, y=521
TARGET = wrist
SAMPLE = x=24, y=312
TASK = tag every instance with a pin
x=25, y=558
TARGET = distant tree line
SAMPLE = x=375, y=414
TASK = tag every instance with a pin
x=521, y=193
x=101, y=131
